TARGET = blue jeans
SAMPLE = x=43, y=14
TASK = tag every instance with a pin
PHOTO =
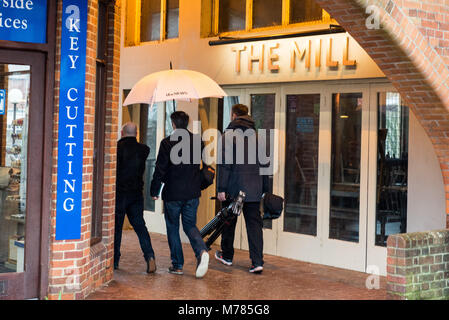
x=187, y=210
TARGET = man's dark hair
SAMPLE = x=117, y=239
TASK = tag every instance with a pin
x=180, y=119
x=240, y=110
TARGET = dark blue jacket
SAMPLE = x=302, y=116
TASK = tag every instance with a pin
x=240, y=169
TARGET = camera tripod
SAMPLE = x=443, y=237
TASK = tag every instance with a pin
x=215, y=227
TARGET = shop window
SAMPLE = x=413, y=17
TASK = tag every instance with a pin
x=301, y=188
x=267, y=13
x=151, y=20
x=224, y=16
x=231, y=15
x=15, y=81
x=263, y=113
x=100, y=106
x=304, y=10
x=344, y=220
x=392, y=164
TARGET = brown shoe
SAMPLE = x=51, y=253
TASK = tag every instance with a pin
x=151, y=265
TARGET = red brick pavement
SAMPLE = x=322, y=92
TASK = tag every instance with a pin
x=282, y=279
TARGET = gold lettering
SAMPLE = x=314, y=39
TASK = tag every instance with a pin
x=237, y=57
x=330, y=63
x=318, y=55
x=295, y=51
x=273, y=57
x=252, y=58
x=346, y=60
x=309, y=54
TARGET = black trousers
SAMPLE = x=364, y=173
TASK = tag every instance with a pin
x=132, y=206
x=254, y=225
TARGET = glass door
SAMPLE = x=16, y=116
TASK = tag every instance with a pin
x=21, y=140
x=235, y=96
x=263, y=104
x=301, y=172
x=342, y=155
x=324, y=174
x=346, y=121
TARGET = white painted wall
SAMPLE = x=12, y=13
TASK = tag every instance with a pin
x=426, y=204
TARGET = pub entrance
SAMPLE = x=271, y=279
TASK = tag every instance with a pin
x=342, y=168
x=22, y=125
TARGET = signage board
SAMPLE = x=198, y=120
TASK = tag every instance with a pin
x=71, y=120
x=23, y=20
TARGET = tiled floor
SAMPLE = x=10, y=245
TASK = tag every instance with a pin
x=282, y=279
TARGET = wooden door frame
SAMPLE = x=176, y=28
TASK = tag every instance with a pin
x=48, y=49
x=27, y=284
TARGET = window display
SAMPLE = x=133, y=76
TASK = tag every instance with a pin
x=15, y=80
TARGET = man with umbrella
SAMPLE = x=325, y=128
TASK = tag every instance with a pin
x=181, y=192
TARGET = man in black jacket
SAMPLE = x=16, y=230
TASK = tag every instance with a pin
x=178, y=167
x=240, y=170
x=131, y=157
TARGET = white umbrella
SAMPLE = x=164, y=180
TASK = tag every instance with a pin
x=173, y=85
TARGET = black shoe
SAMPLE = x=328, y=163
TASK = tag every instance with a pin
x=219, y=257
x=151, y=265
x=115, y=265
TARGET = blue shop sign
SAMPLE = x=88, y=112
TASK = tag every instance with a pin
x=2, y=101
x=71, y=120
x=23, y=20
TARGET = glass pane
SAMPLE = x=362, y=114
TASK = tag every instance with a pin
x=301, y=163
x=172, y=18
x=304, y=10
x=228, y=102
x=267, y=13
x=150, y=141
x=392, y=167
x=345, y=169
x=170, y=107
x=232, y=15
x=15, y=85
x=150, y=20
x=151, y=136
x=263, y=113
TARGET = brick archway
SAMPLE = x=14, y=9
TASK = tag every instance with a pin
x=410, y=49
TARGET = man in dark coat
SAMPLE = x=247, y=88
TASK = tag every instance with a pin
x=131, y=157
x=240, y=171
x=178, y=167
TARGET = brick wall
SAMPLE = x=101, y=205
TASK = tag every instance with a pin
x=77, y=268
x=418, y=265
x=432, y=19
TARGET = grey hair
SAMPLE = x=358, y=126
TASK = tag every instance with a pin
x=129, y=129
